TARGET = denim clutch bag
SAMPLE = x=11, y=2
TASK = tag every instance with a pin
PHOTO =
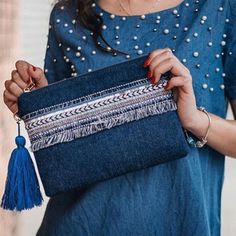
x=100, y=125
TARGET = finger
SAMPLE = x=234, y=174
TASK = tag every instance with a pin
x=18, y=80
x=180, y=81
x=12, y=105
x=38, y=76
x=161, y=57
x=13, y=88
x=166, y=54
x=153, y=54
x=172, y=65
x=9, y=96
x=13, y=108
x=22, y=68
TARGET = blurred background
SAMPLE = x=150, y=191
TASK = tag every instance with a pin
x=23, y=35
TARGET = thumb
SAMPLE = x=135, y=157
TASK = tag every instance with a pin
x=38, y=76
x=180, y=81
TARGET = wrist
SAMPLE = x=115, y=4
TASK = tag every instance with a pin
x=198, y=125
x=198, y=128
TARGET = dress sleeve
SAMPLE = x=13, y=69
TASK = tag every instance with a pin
x=55, y=66
x=230, y=51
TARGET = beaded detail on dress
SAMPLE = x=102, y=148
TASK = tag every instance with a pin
x=138, y=43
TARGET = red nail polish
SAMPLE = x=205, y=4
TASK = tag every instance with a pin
x=149, y=74
x=146, y=62
x=34, y=68
x=153, y=80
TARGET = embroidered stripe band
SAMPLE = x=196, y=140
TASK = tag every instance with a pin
x=97, y=112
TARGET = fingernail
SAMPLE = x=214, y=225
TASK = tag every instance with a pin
x=153, y=80
x=34, y=68
x=149, y=74
x=146, y=62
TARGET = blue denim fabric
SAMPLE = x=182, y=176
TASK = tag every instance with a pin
x=178, y=198
x=107, y=153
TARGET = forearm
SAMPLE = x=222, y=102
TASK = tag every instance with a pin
x=222, y=133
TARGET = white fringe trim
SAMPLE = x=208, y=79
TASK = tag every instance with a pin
x=94, y=127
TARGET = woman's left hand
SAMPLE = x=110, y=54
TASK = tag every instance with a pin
x=162, y=60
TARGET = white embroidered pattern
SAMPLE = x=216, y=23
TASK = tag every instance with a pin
x=104, y=112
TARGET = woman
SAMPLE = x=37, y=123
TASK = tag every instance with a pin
x=196, y=42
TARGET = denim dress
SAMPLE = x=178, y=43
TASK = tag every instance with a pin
x=182, y=197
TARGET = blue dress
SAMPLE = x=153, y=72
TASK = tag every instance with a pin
x=182, y=197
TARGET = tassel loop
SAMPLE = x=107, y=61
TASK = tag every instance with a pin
x=22, y=189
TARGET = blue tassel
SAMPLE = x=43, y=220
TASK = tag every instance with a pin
x=22, y=189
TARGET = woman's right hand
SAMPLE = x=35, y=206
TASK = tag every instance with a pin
x=21, y=77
